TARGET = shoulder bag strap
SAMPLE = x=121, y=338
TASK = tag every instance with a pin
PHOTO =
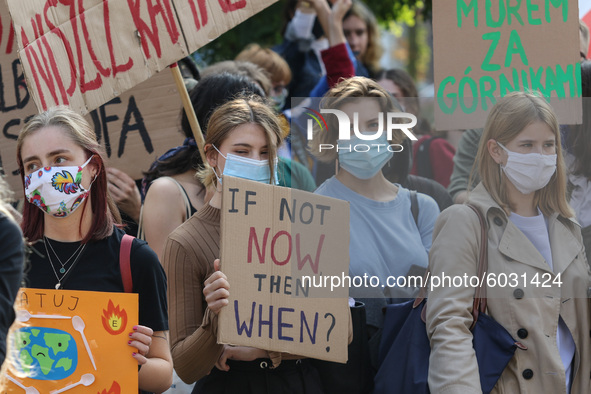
x=124, y=262
x=414, y=206
x=186, y=201
x=480, y=292
x=479, y=304
x=141, y=234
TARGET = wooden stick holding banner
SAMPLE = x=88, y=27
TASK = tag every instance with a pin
x=189, y=110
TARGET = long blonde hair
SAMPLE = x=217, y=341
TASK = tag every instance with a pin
x=507, y=119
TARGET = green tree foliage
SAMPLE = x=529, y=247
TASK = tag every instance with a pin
x=265, y=27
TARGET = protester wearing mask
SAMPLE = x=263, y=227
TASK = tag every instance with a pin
x=242, y=140
x=532, y=235
x=385, y=239
x=72, y=222
x=277, y=69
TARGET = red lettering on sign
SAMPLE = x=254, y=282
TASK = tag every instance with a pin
x=150, y=33
x=116, y=68
x=10, y=38
x=43, y=70
x=61, y=35
x=202, y=11
x=228, y=6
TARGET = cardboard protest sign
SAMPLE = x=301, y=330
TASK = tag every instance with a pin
x=273, y=240
x=84, y=53
x=66, y=340
x=134, y=128
x=485, y=49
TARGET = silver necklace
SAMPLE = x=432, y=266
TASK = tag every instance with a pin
x=59, y=280
x=63, y=269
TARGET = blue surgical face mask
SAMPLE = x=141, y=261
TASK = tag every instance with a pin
x=364, y=165
x=251, y=169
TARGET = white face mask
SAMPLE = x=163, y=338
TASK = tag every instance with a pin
x=529, y=172
x=302, y=24
x=57, y=191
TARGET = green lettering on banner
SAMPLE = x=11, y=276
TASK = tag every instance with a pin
x=578, y=79
x=461, y=7
x=514, y=10
x=487, y=93
x=552, y=83
x=524, y=80
x=515, y=47
x=536, y=80
x=441, y=96
x=474, y=91
x=532, y=8
x=493, y=36
x=556, y=4
x=567, y=76
x=490, y=22
x=505, y=85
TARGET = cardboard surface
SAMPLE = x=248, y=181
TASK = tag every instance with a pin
x=482, y=50
x=84, y=53
x=265, y=257
x=62, y=335
x=134, y=128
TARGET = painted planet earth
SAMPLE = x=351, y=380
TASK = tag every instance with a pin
x=45, y=353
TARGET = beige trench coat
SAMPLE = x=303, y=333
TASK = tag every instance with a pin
x=528, y=311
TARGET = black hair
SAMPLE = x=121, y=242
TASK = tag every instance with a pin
x=579, y=137
x=211, y=92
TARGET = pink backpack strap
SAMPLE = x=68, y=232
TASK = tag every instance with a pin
x=124, y=262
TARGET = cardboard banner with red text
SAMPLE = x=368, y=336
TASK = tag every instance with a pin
x=67, y=341
x=484, y=50
x=134, y=128
x=84, y=53
x=274, y=240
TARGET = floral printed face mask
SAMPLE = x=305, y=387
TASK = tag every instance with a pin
x=57, y=190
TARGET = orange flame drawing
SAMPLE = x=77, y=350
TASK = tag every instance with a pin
x=114, y=319
x=115, y=389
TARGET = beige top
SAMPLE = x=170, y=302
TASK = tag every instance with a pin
x=529, y=304
x=188, y=261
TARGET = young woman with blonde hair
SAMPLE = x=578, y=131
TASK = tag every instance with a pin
x=242, y=140
x=533, y=242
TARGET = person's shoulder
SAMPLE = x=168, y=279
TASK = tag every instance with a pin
x=191, y=230
x=9, y=229
x=163, y=189
x=427, y=202
x=327, y=187
x=459, y=216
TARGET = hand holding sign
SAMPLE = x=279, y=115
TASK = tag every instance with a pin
x=216, y=290
x=141, y=339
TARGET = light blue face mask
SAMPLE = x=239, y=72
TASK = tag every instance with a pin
x=251, y=169
x=364, y=165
